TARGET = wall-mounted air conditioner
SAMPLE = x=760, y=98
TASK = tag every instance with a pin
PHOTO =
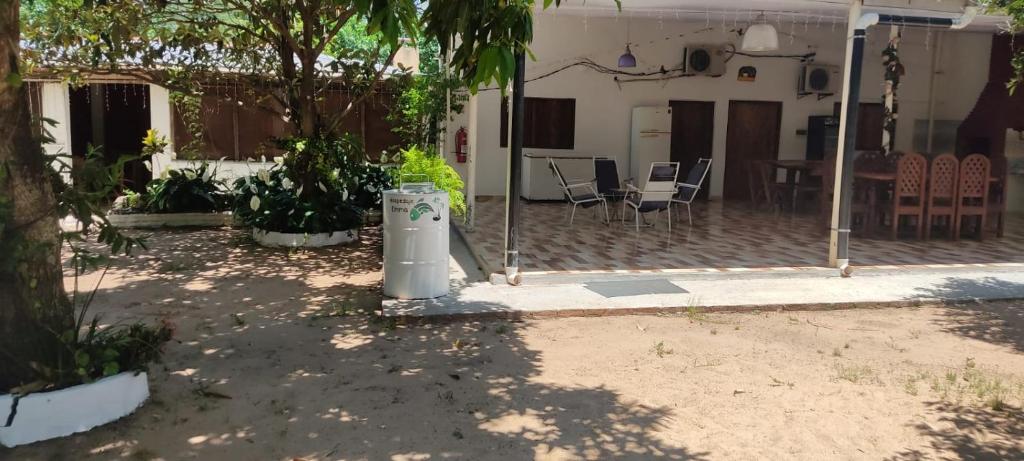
x=704, y=60
x=819, y=79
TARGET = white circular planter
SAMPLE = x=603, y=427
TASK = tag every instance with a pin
x=49, y=415
x=280, y=239
x=153, y=220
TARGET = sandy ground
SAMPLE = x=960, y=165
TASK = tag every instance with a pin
x=273, y=360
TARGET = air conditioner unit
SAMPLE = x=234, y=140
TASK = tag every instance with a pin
x=704, y=60
x=819, y=79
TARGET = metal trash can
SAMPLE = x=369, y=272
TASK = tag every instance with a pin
x=415, y=241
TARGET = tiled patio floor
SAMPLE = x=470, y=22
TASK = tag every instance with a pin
x=723, y=236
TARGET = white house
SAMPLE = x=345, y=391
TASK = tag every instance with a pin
x=582, y=90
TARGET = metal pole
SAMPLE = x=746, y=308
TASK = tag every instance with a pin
x=471, y=164
x=936, y=55
x=844, y=193
x=515, y=173
x=842, y=153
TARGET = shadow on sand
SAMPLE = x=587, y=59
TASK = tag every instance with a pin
x=276, y=358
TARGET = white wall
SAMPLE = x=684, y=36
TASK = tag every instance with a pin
x=55, y=107
x=226, y=170
x=603, y=109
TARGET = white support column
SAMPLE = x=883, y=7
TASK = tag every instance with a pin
x=471, y=163
x=161, y=121
x=851, y=25
x=56, y=106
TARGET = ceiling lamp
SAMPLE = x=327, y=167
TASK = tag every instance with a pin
x=760, y=37
x=627, y=59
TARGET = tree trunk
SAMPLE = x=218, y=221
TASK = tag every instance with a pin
x=33, y=303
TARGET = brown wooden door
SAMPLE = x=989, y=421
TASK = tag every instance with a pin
x=870, y=123
x=753, y=134
x=693, y=129
x=870, y=120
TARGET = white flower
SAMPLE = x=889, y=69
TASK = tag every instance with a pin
x=254, y=203
x=190, y=174
x=322, y=187
x=344, y=195
x=286, y=183
x=264, y=175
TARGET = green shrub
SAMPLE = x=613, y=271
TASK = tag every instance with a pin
x=187, y=190
x=271, y=201
x=367, y=183
x=102, y=353
x=418, y=164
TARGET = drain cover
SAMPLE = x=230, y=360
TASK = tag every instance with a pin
x=634, y=288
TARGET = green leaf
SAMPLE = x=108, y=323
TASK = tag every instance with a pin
x=111, y=368
x=81, y=358
x=14, y=79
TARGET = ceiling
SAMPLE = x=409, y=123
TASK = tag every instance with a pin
x=776, y=10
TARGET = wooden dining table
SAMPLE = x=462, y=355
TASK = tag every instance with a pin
x=797, y=172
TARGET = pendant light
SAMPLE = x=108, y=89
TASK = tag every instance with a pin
x=761, y=36
x=627, y=59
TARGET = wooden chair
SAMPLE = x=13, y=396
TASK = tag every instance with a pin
x=972, y=193
x=756, y=184
x=777, y=193
x=828, y=189
x=869, y=160
x=997, y=193
x=942, y=185
x=860, y=205
x=909, y=191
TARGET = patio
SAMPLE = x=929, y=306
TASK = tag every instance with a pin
x=724, y=236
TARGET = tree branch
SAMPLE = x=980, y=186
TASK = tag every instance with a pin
x=373, y=88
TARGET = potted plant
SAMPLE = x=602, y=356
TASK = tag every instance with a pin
x=282, y=215
x=191, y=196
x=421, y=163
x=72, y=374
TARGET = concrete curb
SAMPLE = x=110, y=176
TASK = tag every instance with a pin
x=408, y=319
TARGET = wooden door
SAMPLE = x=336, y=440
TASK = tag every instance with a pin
x=870, y=121
x=693, y=129
x=752, y=134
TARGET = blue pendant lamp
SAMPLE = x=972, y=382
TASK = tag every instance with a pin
x=627, y=59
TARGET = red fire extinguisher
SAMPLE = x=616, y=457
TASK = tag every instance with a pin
x=461, y=141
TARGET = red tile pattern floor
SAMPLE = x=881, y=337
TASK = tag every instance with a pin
x=723, y=236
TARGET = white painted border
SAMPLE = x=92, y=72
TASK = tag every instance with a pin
x=150, y=220
x=49, y=415
x=278, y=239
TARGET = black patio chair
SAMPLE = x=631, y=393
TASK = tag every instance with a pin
x=687, y=190
x=606, y=174
x=578, y=193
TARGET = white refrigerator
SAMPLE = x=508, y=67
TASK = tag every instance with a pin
x=650, y=140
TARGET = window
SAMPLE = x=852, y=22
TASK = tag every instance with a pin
x=549, y=123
